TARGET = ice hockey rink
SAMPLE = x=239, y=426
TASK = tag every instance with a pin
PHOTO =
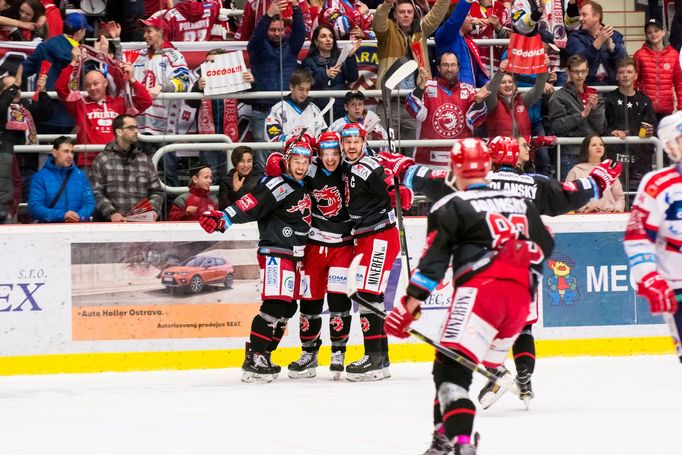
x=583, y=405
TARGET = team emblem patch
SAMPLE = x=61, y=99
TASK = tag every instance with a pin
x=447, y=121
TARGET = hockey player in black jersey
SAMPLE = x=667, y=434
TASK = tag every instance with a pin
x=376, y=237
x=326, y=259
x=282, y=207
x=552, y=198
x=491, y=238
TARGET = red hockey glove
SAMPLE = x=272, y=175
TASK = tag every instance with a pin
x=656, y=290
x=605, y=174
x=396, y=163
x=406, y=197
x=399, y=319
x=273, y=165
x=212, y=220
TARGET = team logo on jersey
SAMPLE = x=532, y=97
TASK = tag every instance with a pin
x=304, y=324
x=562, y=284
x=328, y=201
x=247, y=202
x=364, y=324
x=447, y=120
x=336, y=323
x=149, y=79
x=304, y=206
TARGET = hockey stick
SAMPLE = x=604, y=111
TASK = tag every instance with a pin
x=399, y=71
x=674, y=332
x=452, y=355
x=320, y=115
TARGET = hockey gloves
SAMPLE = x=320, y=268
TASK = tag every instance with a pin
x=406, y=197
x=406, y=194
x=212, y=220
x=398, y=321
x=273, y=166
x=395, y=163
x=605, y=174
x=655, y=289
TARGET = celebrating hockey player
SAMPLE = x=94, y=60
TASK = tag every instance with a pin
x=325, y=261
x=491, y=238
x=282, y=207
x=653, y=237
x=376, y=238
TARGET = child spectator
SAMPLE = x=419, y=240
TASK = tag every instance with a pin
x=296, y=111
x=658, y=70
x=189, y=206
x=354, y=105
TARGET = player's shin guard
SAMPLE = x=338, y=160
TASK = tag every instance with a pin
x=524, y=358
x=262, y=329
x=310, y=324
x=339, y=330
x=524, y=350
x=339, y=321
x=458, y=412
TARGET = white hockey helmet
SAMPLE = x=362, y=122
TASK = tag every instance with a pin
x=670, y=132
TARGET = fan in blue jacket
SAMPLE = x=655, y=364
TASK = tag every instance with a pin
x=452, y=36
x=76, y=203
x=600, y=44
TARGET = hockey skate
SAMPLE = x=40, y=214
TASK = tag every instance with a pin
x=305, y=366
x=276, y=369
x=525, y=388
x=493, y=390
x=468, y=448
x=336, y=365
x=439, y=445
x=368, y=368
x=256, y=367
x=385, y=364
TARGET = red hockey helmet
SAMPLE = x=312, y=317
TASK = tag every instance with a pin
x=353, y=130
x=470, y=158
x=504, y=151
x=328, y=140
x=299, y=149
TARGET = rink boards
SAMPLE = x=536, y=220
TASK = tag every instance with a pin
x=97, y=297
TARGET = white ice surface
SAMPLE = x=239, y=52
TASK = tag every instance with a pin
x=625, y=405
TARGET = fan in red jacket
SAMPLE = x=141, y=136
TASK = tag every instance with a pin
x=658, y=70
x=189, y=206
x=95, y=112
x=491, y=20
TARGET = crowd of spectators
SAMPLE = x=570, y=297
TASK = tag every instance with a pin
x=460, y=90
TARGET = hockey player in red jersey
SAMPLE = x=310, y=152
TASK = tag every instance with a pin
x=325, y=260
x=376, y=238
x=653, y=237
x=282, y=207
x=491, y=238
